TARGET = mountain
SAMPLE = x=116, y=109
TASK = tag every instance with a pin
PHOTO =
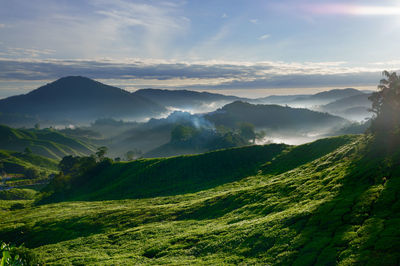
x=336, y=94
x=79, y=99
x=185, y=99
x=333, y=201
x=45, y=142
x=312, y=100
x=353, y=107
x=273, y=117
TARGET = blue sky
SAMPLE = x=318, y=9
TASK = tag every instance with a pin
x=199, y=44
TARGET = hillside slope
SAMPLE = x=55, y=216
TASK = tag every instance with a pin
x=17, y=162
x=325, y=203
x=45, y=142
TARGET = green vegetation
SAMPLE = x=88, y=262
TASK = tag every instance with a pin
x=189, y=139
x=25, y=163
x=334, y=201
x=45, y=142
x=17, y=194
x=386, y=105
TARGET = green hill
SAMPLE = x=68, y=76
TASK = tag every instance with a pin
x=45, y=142
x=334, y=201
x=17, y=162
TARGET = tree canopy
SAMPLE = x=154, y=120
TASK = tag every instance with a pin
x=386, y=104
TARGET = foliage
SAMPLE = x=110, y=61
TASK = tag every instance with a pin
x=7, y=258
x=247, y=131
x=32, y=173
x=101, y=151
x=182, y=133
x=386, y=104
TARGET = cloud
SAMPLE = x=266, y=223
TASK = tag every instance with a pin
x=254, y=21
x=2, y=26
x=353, y=9
x=99, y=28
x=224, y=15
x=26, y=52
x=264, y=37
x=136, y=73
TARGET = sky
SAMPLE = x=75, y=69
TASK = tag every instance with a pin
x=236, y=46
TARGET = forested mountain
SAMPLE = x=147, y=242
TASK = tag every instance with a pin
x=274, y=117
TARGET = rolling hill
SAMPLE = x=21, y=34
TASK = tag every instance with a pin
x=78, y=99
x=45, y=142
x=333, y=201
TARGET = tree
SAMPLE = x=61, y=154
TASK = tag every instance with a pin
x=182, y=133
x=247, y=131
x=386, y=104
x=67, y=164
x=133, y=154
x=37, y=126
x=31, y=173
x=101, y=151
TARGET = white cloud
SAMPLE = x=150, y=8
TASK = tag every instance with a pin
x=2, y=26
x=264, y=37
x=224, y=15
x=254, y=21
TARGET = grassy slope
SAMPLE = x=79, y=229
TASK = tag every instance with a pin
x=44, y=142
x=334, y=209
x=15, y=162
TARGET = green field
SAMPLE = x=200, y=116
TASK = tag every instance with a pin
x=333, y=201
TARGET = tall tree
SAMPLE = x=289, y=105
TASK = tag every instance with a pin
x=386, y=104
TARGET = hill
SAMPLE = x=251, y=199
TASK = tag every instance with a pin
x=185, y=99
x=334, y=201
x=17, y=162
x=45, y=142
x=354, y=107
x=78, y=99
x=274, y=117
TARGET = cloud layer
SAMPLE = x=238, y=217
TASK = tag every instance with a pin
x=137, y=73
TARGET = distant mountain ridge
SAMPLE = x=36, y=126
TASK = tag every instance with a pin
x=320, y=98
x=184, y=99
x=80, y=99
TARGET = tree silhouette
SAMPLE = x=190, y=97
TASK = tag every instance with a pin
x=101, y=152
x=386, y=104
